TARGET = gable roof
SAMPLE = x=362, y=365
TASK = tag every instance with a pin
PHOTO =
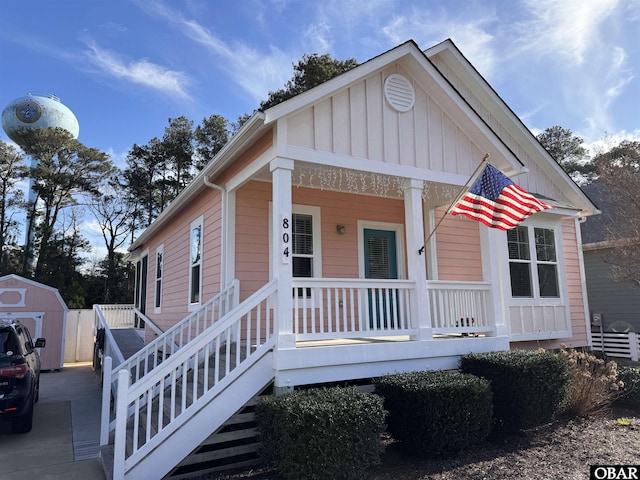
x=35, y=284
x=490, y=101
x=421, y=62
x=407, y=50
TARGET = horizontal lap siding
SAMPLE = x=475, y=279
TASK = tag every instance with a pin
x=339, y=252
x=458, y=249
x=176, y=239
x=252, y=236
x=616, y=301
x=574, y=282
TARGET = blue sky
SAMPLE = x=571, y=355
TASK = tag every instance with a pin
x=125, y=66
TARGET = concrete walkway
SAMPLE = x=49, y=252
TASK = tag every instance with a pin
x=64, y=442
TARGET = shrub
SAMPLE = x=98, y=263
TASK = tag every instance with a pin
x=322, y=433
x=437, y=413
x=594, y=383
x=630, y=389
x=529, y=387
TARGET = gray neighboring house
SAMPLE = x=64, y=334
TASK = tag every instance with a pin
x=617, y=302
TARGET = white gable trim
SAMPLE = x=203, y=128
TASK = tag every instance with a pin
x=512, y=123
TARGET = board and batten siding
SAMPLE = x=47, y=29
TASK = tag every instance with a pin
x=359, y=122
x=534, y=180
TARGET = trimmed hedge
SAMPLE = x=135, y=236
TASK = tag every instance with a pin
x=530, y=388
x=322, y=433
x=437, y=413
x=630, y=392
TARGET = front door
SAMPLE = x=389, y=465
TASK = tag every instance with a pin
x=380, y=262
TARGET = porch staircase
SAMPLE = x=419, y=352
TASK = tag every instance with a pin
x=167, y=408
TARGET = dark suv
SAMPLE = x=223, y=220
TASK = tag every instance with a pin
x=19, y=374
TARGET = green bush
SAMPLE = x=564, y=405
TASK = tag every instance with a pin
x=530, y=388
x=437, y=413
x=630, y=392
x=322, y=433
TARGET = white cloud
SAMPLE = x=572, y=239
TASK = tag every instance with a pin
x=427, y=28
x=319, y=35
x=564, y=28
x=140, y=72
x=269, y=71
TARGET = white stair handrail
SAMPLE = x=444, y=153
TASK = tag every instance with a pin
x=176, y=337
x=254, y=314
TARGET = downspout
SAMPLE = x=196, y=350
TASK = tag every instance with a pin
x=223, y=231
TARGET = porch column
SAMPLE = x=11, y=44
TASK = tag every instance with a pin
x=281, y=252
x=493, y=246
x=416, y=264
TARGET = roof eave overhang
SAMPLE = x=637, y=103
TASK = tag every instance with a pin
x=253, y=129
x=499, y=108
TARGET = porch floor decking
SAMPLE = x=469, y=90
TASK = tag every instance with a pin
x=128, y=340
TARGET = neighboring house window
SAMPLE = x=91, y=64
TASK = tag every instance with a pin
x=195, y=263
x=159, y=267
x=533, y=262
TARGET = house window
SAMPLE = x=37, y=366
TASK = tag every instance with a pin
x=302, y=245
x=533, y=262
x=159, y=266
x=195, y=263
x=302, y=249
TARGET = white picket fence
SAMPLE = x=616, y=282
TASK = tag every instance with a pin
x=621, y=345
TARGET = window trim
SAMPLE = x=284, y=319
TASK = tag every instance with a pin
x=197, y=223
x=316, y=223
x=158, y=281
x=536, y=299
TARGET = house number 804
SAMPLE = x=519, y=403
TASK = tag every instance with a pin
x=285, y=240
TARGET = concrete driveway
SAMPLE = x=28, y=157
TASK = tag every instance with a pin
x=64, y=442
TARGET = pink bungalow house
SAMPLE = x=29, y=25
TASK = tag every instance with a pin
x=298, y=255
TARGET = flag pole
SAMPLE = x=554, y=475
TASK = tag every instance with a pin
x=462, y=191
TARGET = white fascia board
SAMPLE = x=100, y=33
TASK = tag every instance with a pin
x=250, y=131
x=510, y=121
x=329, y=87
x=408, y=49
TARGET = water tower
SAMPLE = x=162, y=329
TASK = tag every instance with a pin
x=37, y=111
x=31, y=112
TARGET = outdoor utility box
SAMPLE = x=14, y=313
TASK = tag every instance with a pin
x=41, y=309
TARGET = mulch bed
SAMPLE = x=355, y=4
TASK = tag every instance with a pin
x=563, y=449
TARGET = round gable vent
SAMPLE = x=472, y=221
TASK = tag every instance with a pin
x=399, y=92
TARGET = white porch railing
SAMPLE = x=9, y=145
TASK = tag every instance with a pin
x=166, y=344
x=460, y=307
x=119, y=315
x=216, y=357
x=109, y=346
x=326, y=308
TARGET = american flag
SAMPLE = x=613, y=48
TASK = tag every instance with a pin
x=497, y=202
